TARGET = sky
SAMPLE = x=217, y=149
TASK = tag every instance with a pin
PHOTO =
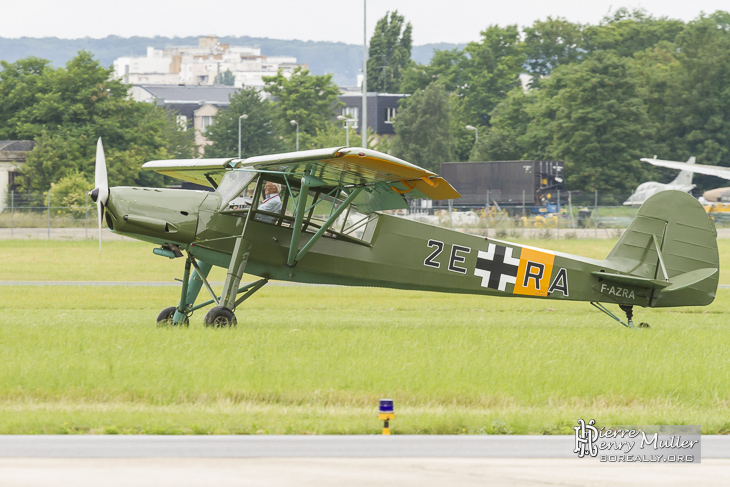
x=452, y=21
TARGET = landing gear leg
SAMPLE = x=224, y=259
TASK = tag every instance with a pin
x=222, y=316
x=628, y=309
x=191, y=285
x=180, y=312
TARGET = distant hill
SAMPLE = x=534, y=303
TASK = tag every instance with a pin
x=342, y=60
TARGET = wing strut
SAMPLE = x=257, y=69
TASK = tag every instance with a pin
x=298, y=219
x=326, y=224
x=308, y=181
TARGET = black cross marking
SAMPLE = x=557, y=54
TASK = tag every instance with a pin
x=496, y=267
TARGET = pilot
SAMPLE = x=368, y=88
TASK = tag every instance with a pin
x=271, y=203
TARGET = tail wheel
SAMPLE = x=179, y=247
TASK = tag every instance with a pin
x=220, y=318
x=165, y=318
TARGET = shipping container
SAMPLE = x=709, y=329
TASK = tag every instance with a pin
x=508, y=183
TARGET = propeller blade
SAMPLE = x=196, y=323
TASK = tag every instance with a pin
x=100, y=177
x=100, y=194
x=100, y=211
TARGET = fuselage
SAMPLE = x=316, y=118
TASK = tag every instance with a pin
x=391, y=252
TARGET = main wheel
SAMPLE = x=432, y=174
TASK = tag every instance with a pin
x=220, y=318
x=166, y=315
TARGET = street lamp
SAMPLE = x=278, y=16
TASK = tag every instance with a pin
x=294, y=122
x=476, y=132
x=242, y=117
x=348, y=122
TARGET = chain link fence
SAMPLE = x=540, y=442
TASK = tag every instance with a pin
x=48, y=211
x=567, y=215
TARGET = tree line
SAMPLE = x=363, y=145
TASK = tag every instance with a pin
x=598, y=97
x=66, y=109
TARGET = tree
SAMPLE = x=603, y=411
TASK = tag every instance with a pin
x=480, y=76
x=697, y=100
x=550, y=43
x=422, y=127
x=333, y=136
x=225, y=78
x=307, y=99
x=445, y=67
x=629, y=31
x=258, y=133
x=492, y=68
x=389, y=53
x=657, y=71
x=69, y=193
x=66, y=109
x=591, y=116
x=508, y=137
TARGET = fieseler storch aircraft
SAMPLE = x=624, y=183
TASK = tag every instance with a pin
x=331, y=228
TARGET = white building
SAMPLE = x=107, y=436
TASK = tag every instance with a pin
x=201, y=65
x=193, y=105
x=12, y=157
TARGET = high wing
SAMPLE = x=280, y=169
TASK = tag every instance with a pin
x=205, y=172
x=385, y=178
x=719, y=171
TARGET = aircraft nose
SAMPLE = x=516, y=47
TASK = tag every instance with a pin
x=169, y=215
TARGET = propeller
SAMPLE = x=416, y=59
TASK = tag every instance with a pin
x=100, y=194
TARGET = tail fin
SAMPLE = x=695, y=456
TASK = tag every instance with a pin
x=685, y=177
x=670, y=247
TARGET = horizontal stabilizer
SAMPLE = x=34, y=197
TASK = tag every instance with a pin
x=689, y=278
x=675, y=284
x=632, y=280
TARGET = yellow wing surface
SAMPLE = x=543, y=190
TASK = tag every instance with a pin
x=355, y=165
x=388, y=177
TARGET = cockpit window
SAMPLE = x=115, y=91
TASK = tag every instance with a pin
x=322, y=204
x=233, y=184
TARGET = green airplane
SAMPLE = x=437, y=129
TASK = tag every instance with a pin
x=317, y=216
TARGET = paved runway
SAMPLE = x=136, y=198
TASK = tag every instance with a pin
x=424, y=461
x=320, y=446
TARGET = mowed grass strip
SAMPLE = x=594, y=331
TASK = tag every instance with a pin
x=317, y=359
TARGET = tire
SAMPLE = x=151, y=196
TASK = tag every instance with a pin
x=166, y=315
x=220, y=318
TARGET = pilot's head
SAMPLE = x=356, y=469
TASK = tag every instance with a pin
x=271, y=188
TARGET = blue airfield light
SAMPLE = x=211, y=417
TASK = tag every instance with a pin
x=385, y=414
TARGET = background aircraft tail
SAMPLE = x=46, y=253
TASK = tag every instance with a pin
x=684, y=178
x=671, y=249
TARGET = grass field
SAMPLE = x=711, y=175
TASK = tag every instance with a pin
x=317, y=359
